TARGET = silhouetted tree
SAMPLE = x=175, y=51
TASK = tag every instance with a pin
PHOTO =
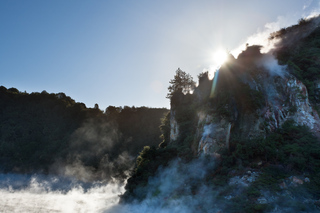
x=181, y=82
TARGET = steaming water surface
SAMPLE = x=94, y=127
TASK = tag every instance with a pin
x=39, y=193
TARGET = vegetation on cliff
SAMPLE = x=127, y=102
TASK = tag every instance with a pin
x=298, y=47
x=291, y=151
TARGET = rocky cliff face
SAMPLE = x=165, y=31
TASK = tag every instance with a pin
x=214, y=134
x=289, y=100
x=252, y=128
x=278, y=96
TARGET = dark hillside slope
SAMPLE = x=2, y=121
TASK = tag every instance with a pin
x=42, y=132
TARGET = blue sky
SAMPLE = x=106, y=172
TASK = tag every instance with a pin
x=125, y=52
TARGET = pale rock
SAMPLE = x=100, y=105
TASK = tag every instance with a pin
x=174, y=127
x=262, y=200
x=297, y=180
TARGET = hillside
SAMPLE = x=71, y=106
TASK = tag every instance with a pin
x=245, y=141
x=51, y=133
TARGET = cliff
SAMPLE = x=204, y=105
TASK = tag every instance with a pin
x=257, y=121
x=256, y=102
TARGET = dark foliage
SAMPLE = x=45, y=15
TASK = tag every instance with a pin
x=299, y=48
x=165, y=129
x=148, y=162
x=38, y=130
x=291, y=150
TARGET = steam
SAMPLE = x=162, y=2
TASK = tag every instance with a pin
x=261, y=37
x=314, y=13
x=96, y=134
x=93, y=155
x=270, y=63
x=39, y=193
x=307, y=4
x=180, y=187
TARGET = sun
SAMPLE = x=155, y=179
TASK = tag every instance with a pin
x=220, y=56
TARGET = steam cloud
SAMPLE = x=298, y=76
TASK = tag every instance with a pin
x=94, y=143
x=262, y=36
x=269, y=62
x=180, y=187
x=39, y=193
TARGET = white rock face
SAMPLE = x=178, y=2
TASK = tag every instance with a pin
x=174, y=127
x=280, y=98
x=214, y=136
x=298, y=94
x=282, y=94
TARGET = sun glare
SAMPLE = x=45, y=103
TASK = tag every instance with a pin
x=220, y=56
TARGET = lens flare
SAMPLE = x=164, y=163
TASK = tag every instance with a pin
x=214, y=83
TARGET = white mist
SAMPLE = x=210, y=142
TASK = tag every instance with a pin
x=51, y=194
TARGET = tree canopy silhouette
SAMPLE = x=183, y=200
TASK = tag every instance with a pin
x=182, y=82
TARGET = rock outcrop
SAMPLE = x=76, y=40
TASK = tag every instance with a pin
x=277, y=97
